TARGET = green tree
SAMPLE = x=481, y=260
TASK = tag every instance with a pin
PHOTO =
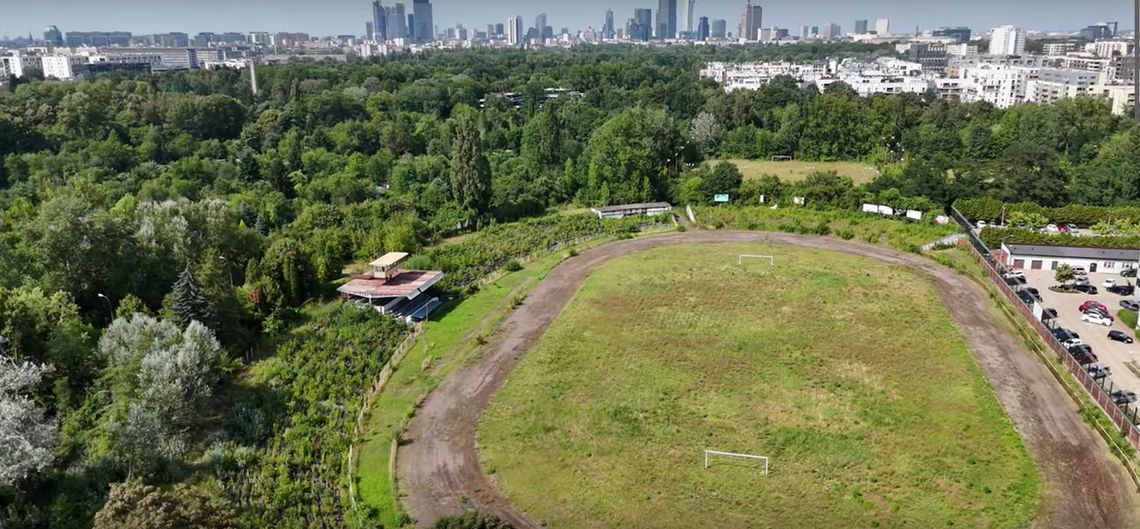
x=189, y=301
x=470, y=520
x=1064, y=274
x=288, y=273
x=470, y=172
x=724, y=178
x=627, y=156
x=1029, y=172
x=133, y=505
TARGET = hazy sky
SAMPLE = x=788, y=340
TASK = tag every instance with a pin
x=330, y=17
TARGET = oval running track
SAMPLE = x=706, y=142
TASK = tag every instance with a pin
x=438, y=467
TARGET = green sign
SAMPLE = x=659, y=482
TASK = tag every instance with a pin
x=720, y=198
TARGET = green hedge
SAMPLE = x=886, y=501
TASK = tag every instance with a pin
x=990, y=210
x=993, y=237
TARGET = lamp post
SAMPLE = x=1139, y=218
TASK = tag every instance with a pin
x=110, y=308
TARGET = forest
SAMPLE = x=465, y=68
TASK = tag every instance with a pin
x=170, y=243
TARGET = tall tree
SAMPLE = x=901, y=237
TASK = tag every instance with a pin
x=190, y=301
x=133, y=505
x=470, y=172
x=26, y=436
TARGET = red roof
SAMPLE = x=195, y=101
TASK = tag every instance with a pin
x=408, y=284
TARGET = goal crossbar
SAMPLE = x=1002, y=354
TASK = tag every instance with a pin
x=733, y=454
x=771, y=260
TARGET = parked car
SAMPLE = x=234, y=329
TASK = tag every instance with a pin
x=1080, y=349
x=1128, y=272
x=1073, y=228
x=1085, y=359
x=1123, y=396
x=1063, y=334
x=1085, y=288
x=1048, y=314
x=981, y=224
x=1033, y=292
x=1098, y=371
x=1080, y=271
x=1109, y=283
x=1097, y=318
x=1128, y=304
x=1098, y=312
x=1072, y=342
x=1119, y=336
x=1015, y=273
x=1026, y=297
x=1015, y=280
x=1122, y=290
x=1092, y=303
x=1052, y=228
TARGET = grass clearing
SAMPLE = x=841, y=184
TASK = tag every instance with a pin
x=796, y=170
x=874, y=416
x=450, y=339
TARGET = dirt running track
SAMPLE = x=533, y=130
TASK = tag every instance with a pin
x=438, y=464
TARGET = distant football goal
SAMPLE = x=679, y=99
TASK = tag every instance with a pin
x=771, y=260
x=731, y=455
x=782, y=158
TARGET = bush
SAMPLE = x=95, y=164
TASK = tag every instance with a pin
x=471, y=520
x=846, y=234
x=512, y=266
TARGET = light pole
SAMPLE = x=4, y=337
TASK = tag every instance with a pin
x=229, y=272
x=110, y=308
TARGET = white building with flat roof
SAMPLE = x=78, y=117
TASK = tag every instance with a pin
x=1054, y=84
x=63, y=67
x=999, y=85
x=1007, y=40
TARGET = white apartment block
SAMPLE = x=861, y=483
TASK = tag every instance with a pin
x=62, y=67
x=1109, y=48
x=1057, y=48
x=999, y=85
x=1122, y=97
x=1054, y=84
x=1007, y=40
x=961, y=50
x=883, y=26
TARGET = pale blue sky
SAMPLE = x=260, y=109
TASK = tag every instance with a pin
x=329, y=17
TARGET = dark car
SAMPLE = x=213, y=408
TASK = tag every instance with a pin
x=1063, y=334
x=1015, y=280
x=1098, y=371
x=1128, y=272
x=1048, y=314
x=1123, y=396
x=1082, y=349
x=1118, y=336
x=1085, y=359
x=1026, y=297
x=1033, y=292
x=1122, y=290
x=1087, y=289
x=1128, y=304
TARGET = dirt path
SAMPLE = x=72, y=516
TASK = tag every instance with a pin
x=438, y=464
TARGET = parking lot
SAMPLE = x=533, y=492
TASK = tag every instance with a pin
x=1123, y=359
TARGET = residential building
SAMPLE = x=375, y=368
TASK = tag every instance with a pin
x=883, y=27
x=262, y=38
x=1112, y=48
x=830, y=31
x=960, y=34
x=751, y=21
x=718, y=29
x=666, y=19
x=1121, y=97
x=1007, y=40
x=63, y=67
x=1000, y=85
x=1054, y=84
x=515, y=30
x=423, y=27
x=164, y=58
x=860, y=27
x=931, y=55
x=53, y=36
x=703, y=29
x=1057, y=48
x=961, y=50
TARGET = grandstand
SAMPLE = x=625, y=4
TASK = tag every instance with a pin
x=393, y=291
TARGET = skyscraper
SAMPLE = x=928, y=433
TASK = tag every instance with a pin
x=751, y=21
x=540, y=26
x=719, y=29
x=515, y=30
x=1007, y=40
x=860, y=26
x=608, y=28
x=499, y=29
x=53, y=36
x=883, y=26
x=703, y=29
x=396, y=22
x=379, y=22
x=411, y=33
x=369, y=31
x=805, y=32
x=830, y=31
x=424, y=28
x=666, y=19
x=688, y=11
x=642, y=26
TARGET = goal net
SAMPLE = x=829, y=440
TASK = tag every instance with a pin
x=732, y=455
x=782, y=158
x=771, y=260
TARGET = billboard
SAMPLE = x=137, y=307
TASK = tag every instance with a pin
x=720, y=198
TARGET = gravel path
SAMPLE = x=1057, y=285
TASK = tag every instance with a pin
x=438, y=464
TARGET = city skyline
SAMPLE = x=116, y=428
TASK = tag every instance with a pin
x=348, y=16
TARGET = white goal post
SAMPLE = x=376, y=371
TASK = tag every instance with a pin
x=771, y=260
x=731, y=454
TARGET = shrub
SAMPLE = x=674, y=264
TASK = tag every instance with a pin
x=512, y=266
